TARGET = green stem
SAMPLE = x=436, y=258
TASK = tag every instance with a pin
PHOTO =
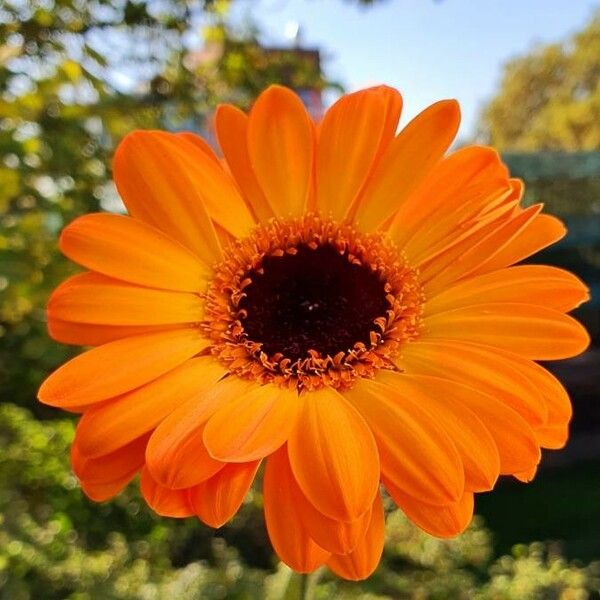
x=303, y=587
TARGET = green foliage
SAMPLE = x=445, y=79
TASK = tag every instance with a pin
x=55, y=544
x=532, y=572
x=549, y=99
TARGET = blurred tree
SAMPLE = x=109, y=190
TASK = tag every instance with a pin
x=549, y=99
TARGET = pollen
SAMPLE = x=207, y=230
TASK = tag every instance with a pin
x=310, y=302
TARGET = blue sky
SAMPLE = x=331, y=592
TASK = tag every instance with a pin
x=428, y=49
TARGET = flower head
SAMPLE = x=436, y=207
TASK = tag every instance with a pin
x=335, y=300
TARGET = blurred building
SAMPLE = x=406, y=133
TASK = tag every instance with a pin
x=287, y=61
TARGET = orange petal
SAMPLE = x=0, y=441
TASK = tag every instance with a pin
x=440, y=521
x=477, y=206
x=200, y=143
x=288, y=534
x=162, y=500
x=118, y=367
x=97, y=299
x=100, y=492
x=338, y=537
x=553, y=392
x=104, y=477
x=216, y=500
x=113, y=424
x=555, y=432
x=334, y=456
x=474, y=251
x=161, y=180
x=513, y=436
x=434, y=473
x=219, y=194
x=479, y=258
x=232, y=126
x=541, y=232
x=433, y=267
x=532, y=331
x=86, y=334
x=184, y=464
x=393, y=107
x=280, y=146
x=475, y=445
x=124, y=462
x=553, y=437
x=407, y=160
x=479, y=367
x=457, y=206
x=440, y=192
x=527, y=476
x=177, y=456
x=133, y=251
x=530, y=284
x=364, y=559
x=517, y=188
x=252, y=425
x=79, y=409
x=350, y=138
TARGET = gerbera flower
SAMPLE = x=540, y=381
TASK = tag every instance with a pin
x=333, y=299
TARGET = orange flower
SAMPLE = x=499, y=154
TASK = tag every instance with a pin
x=334, y=299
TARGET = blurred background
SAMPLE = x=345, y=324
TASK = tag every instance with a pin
x=76, y=75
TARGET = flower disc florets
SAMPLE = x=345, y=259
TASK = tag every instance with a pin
x=309, y=302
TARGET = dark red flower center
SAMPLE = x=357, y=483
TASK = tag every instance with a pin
x=315, y=299
x=309, y=302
